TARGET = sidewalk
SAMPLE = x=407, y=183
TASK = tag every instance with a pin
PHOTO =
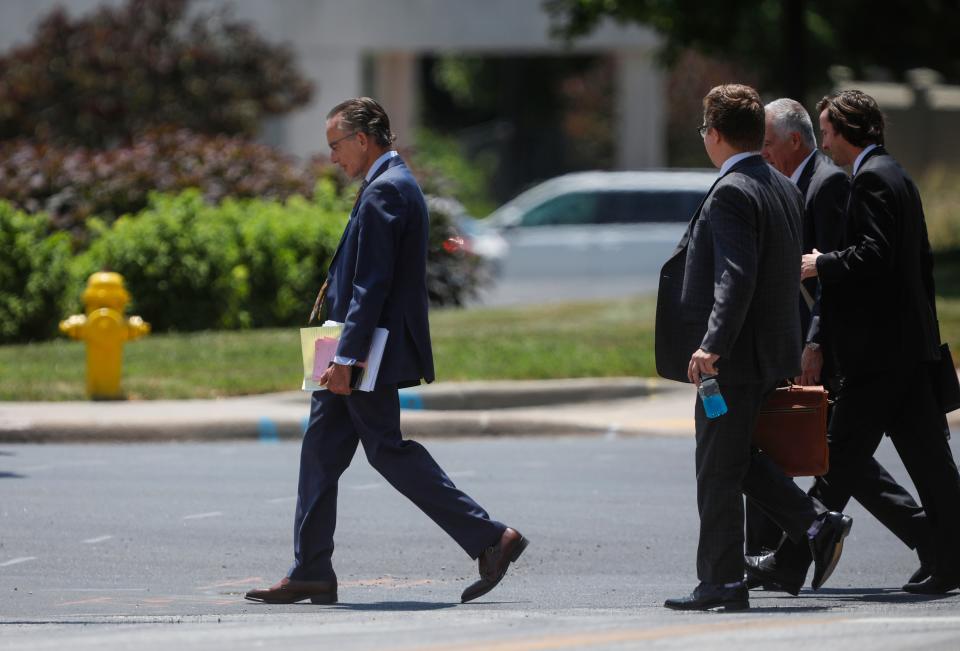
x=508, y=408
x=599, y=406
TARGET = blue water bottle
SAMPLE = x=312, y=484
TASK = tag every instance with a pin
x=713, y=403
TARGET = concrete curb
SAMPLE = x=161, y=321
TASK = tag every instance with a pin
x=526, y=393
x=512, y=408
x=451, y=425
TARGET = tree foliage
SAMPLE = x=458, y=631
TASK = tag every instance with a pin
x=785, y=39
x=98, y=79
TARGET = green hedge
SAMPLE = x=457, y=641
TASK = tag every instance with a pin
x=189, y=265
x=33, y=275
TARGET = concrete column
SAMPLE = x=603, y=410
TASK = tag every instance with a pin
x=395, y=84
x=336, y=76
x=641, y=115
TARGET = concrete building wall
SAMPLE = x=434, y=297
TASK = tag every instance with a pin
x=922, y=118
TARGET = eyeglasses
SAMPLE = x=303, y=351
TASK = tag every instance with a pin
x=702, y=130
x=333, y=145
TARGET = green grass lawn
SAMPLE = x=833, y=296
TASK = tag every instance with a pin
x=569, y=340
x=610, y=338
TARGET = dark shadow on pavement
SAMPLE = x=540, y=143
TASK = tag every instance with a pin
x=11, y=475
x=389, y=606
x=879, y=595
x=785, y=609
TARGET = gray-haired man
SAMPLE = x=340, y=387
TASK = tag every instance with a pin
x=790, y=147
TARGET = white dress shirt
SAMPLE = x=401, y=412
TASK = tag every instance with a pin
x=736, y=158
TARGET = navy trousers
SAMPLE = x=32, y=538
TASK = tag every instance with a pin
x=337, y=424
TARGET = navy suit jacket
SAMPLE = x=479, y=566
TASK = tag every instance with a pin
x=378, y=277
x=731, y=285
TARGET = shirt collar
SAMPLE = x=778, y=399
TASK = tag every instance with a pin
x=377, y=163
x=736, y=158
x=795, y=177
x=863, y=154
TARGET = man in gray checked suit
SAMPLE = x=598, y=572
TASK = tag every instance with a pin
x=727, y=307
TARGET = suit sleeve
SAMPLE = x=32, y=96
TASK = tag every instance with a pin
x=873, y=221
x=732, y=219
x=379, y=222
x=829, y=205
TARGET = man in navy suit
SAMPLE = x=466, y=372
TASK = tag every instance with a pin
x=377, y=278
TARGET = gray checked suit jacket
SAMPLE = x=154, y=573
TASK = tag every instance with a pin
x=731, y=285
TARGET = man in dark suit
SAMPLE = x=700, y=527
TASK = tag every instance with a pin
x=727, y=308
x=790, y=147
x=879, y=315
x=377, y=278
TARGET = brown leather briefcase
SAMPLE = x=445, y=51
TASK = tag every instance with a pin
x=792, y=430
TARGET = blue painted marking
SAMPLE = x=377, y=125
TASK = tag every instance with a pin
x=267, y=431
x=410, y=400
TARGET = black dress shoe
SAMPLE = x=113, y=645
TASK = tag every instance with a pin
x=934, y=584
x=927, y=560
x=751, y=583
x=765, y=571
x=708, y=596
x=922, y=574
x=827, y=546
x=494, y=562
x=290, y=591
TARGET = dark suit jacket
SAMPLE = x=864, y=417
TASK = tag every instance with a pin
x=731, y=285
x=378, y=277
x=878, y=306
x=826, y=189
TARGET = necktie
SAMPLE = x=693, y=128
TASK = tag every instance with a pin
x=356, y=202
x=322, y=295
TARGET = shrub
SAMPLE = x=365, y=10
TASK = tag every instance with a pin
x=181, y=267
x=454, y=274
x=100, y=79
x=72, y=184
x=443, y=170
x=244, y=263
x=33, y=276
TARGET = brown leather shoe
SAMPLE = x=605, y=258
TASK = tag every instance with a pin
x=494, y=562
x=290, y=591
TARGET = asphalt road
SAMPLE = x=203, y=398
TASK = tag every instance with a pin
x=152, y=546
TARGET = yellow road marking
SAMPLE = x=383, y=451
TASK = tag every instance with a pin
x=628, y=635
x=91, y=600
x=231, y=584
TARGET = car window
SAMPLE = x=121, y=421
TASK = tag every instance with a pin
x=615, y=207
x=573, y=208
x=632, y=207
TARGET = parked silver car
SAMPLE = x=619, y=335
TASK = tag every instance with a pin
x=594, y=234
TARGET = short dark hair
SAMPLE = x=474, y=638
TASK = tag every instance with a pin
x=855, y=116
x=365, y=115
x=735, y=110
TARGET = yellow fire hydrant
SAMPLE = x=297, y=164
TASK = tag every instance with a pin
x=104, y=329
